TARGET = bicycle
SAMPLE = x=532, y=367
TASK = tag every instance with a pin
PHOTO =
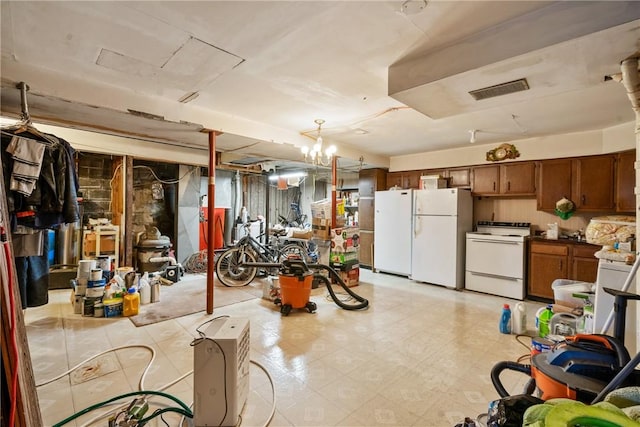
x=295, y=219
x=230, y=267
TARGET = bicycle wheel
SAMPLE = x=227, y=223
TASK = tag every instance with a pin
x=229, y=267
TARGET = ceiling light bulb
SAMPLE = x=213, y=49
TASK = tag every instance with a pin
x=330, y=151
x=305, y=150
x=318, y=145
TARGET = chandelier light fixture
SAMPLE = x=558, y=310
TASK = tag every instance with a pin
x=316, y=156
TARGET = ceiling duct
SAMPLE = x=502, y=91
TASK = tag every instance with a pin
x=499, y=90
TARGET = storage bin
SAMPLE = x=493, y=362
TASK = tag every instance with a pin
x=563, y=290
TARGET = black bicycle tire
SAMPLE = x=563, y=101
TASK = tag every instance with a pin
x=248, y=273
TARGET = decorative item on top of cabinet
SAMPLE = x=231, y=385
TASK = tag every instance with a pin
x=625, y=182
x=503, y=152
x=593, y=179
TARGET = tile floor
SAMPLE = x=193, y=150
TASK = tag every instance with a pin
x=419, y=356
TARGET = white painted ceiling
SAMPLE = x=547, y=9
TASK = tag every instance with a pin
x=386, y=83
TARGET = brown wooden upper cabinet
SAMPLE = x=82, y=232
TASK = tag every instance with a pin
x=625, y=182
x=511, y=179
x=404, y=179
x=457, y=177
x=485, y=179
x=593, y=181
x=554, y=183
x=370, y=181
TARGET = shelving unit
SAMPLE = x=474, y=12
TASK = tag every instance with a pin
x=101, y=240
x=351, y=199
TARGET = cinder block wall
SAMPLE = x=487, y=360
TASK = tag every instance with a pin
x=95, y=172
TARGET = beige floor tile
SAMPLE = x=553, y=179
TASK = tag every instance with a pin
x=421, y=355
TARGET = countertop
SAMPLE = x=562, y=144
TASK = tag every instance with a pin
x=561, y=240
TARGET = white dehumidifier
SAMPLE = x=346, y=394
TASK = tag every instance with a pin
x=221, y=373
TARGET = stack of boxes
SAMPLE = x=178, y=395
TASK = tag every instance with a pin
x=339, y=247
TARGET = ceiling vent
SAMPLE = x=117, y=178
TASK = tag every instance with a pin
x=499, y=90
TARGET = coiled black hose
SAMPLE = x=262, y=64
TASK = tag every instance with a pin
x=362, y=302
x=501, y=366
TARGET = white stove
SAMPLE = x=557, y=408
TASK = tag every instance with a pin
x=495, y=262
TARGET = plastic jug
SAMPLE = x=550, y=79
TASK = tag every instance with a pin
x=131, y=303
x=519, y=319
x=505, y=320
x=543, y=318
x=144, y=289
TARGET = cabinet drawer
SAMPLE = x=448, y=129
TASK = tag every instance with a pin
x=551, y=249
x=584, y=251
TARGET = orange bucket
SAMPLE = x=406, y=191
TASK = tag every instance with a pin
x=295, y=289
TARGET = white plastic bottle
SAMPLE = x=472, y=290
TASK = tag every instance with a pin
x=144, y=289
x=519, y=318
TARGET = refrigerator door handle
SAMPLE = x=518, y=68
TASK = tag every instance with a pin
x=416, y=220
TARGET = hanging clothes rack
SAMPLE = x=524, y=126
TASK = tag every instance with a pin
x=25, y=124
x=24, y=107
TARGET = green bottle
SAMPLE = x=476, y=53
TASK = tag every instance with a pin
x=544, y=320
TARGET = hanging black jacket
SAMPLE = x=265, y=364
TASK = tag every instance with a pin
x=54, y=200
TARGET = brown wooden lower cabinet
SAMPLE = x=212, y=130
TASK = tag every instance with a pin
x=366, y=248
x=553, y=259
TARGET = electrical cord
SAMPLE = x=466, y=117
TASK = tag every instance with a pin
x=121, y=406
x=185, y=409
x=144, y=373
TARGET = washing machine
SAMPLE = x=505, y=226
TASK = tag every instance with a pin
x=612, y=274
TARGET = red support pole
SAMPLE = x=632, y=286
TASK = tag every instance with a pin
x=334, y=180
x=211, y=199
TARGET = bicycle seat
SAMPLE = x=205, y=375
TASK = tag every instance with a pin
x=279, y=233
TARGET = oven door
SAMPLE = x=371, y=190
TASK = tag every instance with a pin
x=495, y=256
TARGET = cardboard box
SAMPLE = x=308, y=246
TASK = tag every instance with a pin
x=321, y=228
x=345, y=238
x=340, y=258
x=350, y=278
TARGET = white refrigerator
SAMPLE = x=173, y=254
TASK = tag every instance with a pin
x=392, y=237
x=441, y=220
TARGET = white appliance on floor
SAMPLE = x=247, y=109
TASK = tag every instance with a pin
x=613, y=275
x=221, y=372
x=496, y=258
x=392, y=225
x=441, y=219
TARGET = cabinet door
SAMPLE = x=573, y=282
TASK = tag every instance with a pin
x=460, y=177
x=394, y=179
x=366, y=248
x=593, y=179
x=366, y=213
x=625, y=182
x=518, y=178
x=547, y=262
x=584, y=264
x=411, y=179
x=486, y=180
x=554, y=183
x=371, y=180
x=544, y=269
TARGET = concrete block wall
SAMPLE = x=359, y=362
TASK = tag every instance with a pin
x=94, y=175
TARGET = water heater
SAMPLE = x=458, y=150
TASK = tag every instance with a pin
x=221, y=372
